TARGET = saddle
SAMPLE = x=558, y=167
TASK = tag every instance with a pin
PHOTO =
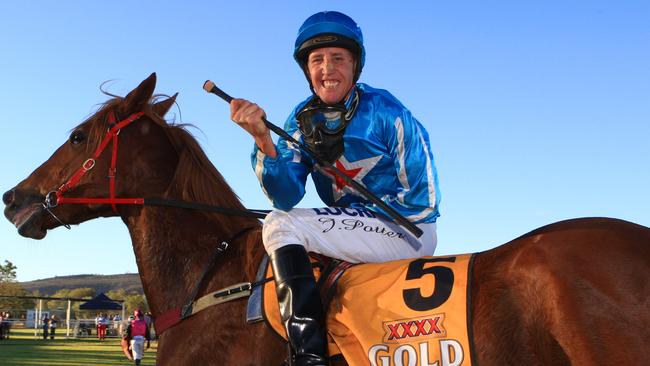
x=406, y=312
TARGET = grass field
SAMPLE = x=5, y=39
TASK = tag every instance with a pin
x=22, y=348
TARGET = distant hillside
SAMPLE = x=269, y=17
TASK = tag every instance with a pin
x=130, y=282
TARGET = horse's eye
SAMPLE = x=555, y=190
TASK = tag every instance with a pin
x=77, y=137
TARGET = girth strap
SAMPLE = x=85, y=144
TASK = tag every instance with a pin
x=176, y=315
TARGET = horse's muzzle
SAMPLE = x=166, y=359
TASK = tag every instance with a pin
x=25, y=211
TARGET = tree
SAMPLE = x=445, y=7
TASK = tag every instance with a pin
x=77, y=293
x=82, y=293
x=7, y=272
x=11, y=304
x=55, y=304
x=135, y=300
x=117, y=295
x=9, y=287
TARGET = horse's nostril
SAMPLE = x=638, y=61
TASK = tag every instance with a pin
x=8, y=197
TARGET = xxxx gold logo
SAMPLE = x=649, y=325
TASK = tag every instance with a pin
x=427, y=327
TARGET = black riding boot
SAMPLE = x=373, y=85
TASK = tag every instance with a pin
x=300, y=305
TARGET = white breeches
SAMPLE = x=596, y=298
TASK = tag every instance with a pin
x=353, y=235
x=137, y=347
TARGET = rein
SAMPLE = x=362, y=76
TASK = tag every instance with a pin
x=192, y=305
x=55, y=198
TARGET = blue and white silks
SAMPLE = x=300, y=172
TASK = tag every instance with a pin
x=386, y=149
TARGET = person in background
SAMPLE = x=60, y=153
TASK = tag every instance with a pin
x=5, y=325
x=148, y=317
x=371, y=137
x=53, y=324
x=117, y=324
x=137, y=332
x=46, y=326
x=100, y=322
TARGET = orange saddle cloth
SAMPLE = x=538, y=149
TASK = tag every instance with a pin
x=409, y=312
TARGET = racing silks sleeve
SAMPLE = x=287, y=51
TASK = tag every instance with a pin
x=282, y=179
x=416, y=196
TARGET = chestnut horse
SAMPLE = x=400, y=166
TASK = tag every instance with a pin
x=575, y=292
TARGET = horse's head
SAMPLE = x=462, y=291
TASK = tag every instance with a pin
x=83, y=166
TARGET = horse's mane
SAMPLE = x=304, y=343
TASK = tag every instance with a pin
x=196, y=179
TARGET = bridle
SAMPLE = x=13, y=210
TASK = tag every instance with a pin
x=192, y=305
x=55, y=198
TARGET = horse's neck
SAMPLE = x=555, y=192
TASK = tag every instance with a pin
x=172, y=248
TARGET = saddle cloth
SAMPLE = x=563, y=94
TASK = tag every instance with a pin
x=403, y=313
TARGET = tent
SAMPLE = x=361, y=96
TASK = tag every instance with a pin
x=100, y=302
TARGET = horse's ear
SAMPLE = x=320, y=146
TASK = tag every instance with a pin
x=161, y=108
x=139, y=97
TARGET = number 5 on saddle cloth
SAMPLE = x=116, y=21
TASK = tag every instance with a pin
x=406, y=312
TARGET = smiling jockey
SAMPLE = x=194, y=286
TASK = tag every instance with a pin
x=371, y=137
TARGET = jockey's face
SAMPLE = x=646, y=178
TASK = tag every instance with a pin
x=331, y=72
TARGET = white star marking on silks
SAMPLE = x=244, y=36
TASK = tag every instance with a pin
x=355, y=170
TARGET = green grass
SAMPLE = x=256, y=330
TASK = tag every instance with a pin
x=22, y=348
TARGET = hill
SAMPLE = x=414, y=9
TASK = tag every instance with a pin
x=130, y=282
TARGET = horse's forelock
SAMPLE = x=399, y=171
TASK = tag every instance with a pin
x=98, y=124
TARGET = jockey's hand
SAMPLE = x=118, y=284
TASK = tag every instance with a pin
x=250, y=117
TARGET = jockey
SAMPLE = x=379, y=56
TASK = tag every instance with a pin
x=136, y=333
x=371, y=137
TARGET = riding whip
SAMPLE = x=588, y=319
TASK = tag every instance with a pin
x=210, y=87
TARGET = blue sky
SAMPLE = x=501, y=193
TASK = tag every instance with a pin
x=538, y=111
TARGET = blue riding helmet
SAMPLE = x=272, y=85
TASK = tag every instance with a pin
x=330, y=29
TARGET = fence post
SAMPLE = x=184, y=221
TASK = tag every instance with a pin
x=67, y=320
